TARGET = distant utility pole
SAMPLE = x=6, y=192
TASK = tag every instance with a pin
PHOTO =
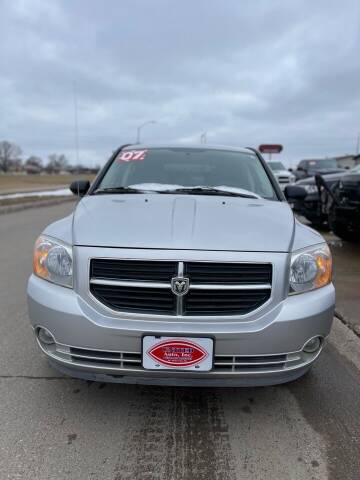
x=203, y=137
x=358, y=145
x=76, y=126
x=139, y=128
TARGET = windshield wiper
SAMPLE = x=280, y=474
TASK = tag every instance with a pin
x=210, y=191
x=109, y=190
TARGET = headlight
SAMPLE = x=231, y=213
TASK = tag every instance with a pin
x=310, y=188
x=53, y=261
x=310, y=268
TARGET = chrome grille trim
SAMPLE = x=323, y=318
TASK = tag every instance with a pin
x=200, y=286
x=129, y=283
x=194, y=286
x=180, y=300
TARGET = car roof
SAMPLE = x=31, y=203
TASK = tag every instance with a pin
x=320, y=160
x=200, y=146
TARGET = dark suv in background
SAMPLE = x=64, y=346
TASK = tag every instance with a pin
x=341, y=204
x=333, y=199
x=311, y=206
x=308, y=168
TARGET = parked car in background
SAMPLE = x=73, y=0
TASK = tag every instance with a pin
x=311, y=206
x=182, y=266
x=341, y=204
x=324, y=166
x=283, y=176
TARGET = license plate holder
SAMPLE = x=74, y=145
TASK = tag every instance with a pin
x=177, y=353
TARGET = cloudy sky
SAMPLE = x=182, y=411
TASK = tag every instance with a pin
x=247, y=72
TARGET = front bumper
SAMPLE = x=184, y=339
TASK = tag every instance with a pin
x=97, y=345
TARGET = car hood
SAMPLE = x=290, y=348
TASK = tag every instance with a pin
x=183, y=222
x=326, y=171
x=329, y=178
x=282, y=173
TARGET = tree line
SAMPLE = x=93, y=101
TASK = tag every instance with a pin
x=11, y=161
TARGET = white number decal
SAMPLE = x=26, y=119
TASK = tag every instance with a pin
x=132, y=155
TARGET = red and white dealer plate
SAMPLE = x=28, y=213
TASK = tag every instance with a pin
x=177, y=353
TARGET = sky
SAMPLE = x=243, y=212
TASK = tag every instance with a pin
x=246, y=72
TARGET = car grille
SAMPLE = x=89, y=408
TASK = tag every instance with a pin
x=284, y=179
x=350, y=192
x=214, y=288
x=131, y=361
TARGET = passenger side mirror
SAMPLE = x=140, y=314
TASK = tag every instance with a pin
x=80, y=187
x=290, y=169
x=295, y=192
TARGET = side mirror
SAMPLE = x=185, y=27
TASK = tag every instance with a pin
x=290, y=169
x=80, y=187
x=295, y=192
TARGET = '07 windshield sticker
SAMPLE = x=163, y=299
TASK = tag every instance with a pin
x=131, y=155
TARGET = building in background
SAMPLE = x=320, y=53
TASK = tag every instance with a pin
x=348, y=161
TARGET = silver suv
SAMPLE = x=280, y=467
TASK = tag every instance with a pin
x=182, y=266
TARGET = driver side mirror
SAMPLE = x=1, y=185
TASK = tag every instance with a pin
x=80, y=187
x=295, y=192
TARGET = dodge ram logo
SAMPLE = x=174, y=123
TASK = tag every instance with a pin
x=180, y=286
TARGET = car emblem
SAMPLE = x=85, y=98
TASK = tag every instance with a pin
x=180, y=286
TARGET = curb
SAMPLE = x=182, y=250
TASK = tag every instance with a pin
x=38, y=203
x=345, y=341
x=354, y=328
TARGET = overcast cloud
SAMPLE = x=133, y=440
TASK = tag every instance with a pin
x=247, y=72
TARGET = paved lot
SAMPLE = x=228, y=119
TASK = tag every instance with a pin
x=57, y=428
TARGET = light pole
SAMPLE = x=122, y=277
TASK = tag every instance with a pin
x=138, y=130
x=76, y=125
x=203, y=137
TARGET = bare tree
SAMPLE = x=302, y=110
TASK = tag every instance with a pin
x=9, y=155
x=56, y=163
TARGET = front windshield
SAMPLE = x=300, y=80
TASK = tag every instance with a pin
x=320, y=164
x=276, y=166
x=355, y=169
x=188, y=167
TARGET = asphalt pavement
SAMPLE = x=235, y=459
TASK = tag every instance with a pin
x=53, y=427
